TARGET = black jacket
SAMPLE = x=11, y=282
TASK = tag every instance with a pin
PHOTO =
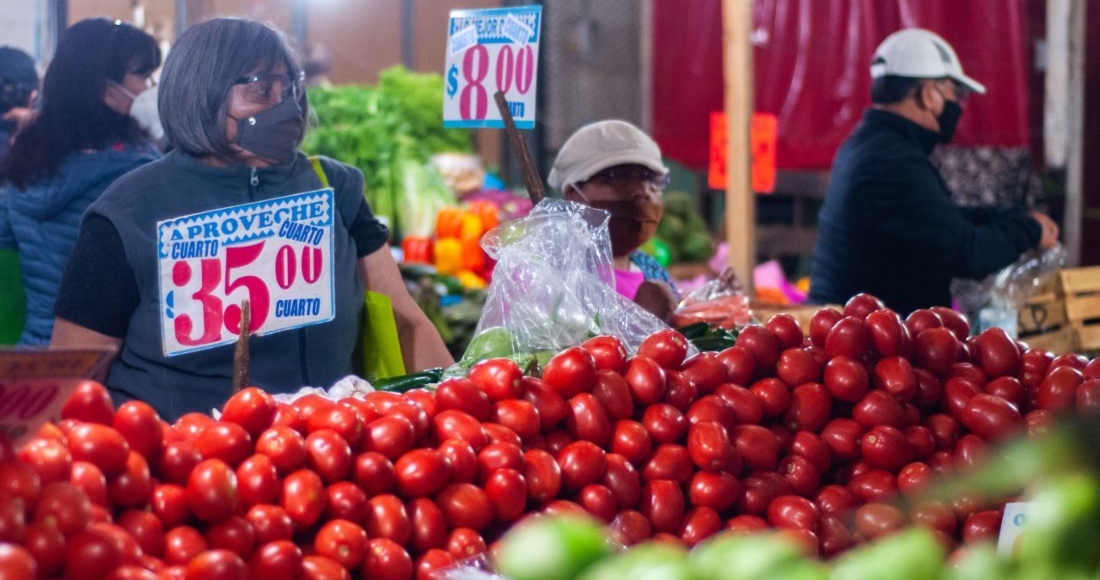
x=889, y=227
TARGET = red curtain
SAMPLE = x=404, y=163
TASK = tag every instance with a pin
x=811, y=69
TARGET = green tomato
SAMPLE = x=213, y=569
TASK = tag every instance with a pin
x=551, y=548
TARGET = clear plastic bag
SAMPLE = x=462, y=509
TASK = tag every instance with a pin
x=1002, y=294
x=553, y=287
x=719, y=302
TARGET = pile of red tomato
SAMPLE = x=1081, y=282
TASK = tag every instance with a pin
x=828, y=437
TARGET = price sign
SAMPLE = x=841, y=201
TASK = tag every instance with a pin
x=34, y=385
x=491, y=50
x=763, y=136
x=276, y=254
x=1012, y=522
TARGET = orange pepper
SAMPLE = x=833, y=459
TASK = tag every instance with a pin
x=448, y=223
x=473, y=257
x=417, y=249
x=487, y=211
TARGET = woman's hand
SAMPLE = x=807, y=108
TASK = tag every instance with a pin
x=657, y=298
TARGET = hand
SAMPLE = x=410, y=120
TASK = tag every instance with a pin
x=21, y=115
x=657, y=298
x=1049, y=238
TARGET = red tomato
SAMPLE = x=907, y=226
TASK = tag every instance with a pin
x=991, y=417
x=746, y=406
x=810, y=407
x=463, y=459
x=821, y=323
x=90, y=480
x=18, y=479
x=705, y=371
x=345, y=421
x=346, y=501
x=321, y=568
x=168, y=502
x=251, y=408
x=757, y=446
x=666, y=347
x=813, y=448
x=1008, y=388
x=548, y=402
x=622, y=480
x=921, y=319
x=929, y=389
x=997, y=353
x=631, y=440
x=500, y=378
x=582, y=463
x=758, y=491
x=388, y=519
x=874, y=520
x=588, y=420
x=46, y=545
x=64, y=506
x=715, y=490
x=429, y=528
x=234, y=534
x=422, y=473
x=630, y=527
x=570, y=372
x=1057, y=392
x=131, y=488
x=542, y=474
x=92, y=554
x=1070, y=359
x=954, y=321
x=284, y=446
x=944, y=428
x=709, y=447
x=646, y=379
x=699, y=524
x=680, y=391
x=519, y=416
x=861, y=305
x=792, y=511
x=935, y=350
x=914, y=477
x=662, y=504
x=51, y=459
x=888, y=333
x=836, y=500
x=801, y=474
x=386, y=560
x=374, y=473
x=671, y=462
x=497, y=456
x=747, y=523
x=139, y=424
x=665, y=423
x=835, y=536
x=614, y=394
x=922, y=441
x=466, y=505
x=970, y=451
x=428, y=565
x=761, y=343
x=712, y=408
x=848, y=337
x=879, y=408
x=895, y=376
x=874, y=485
x=270, y=523
x=89, y=403
x=217, y=565
x=774, y=396
x=228, y=442
x=342, y=541
x=182, y=544
x=1088, y=397
x=846, y=379
x=277, y=559
x=452, y=424
x=303, y=497
x=212, y=491
x=100, y=445
x=886, y=448
x=608, y=352
x=1033, y=367
x=983, y=526
x=842, y=436
x=507, y=492
x=287, y=415
x=329, y=455
x=786, y=331
x=425, y=399
x=257, y=480
x=797, y=366
x=934, y=515
x=740, y=364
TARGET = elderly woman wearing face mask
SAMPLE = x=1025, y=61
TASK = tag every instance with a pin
x=612, y=165
x=167, y=257
x=80, y=140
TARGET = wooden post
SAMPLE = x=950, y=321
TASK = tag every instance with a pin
x=740, y=200
x=531, y=177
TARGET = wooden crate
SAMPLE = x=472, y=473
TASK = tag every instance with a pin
x=1082, y=289
x=1045, y=311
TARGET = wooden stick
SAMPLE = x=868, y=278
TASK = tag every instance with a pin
x=241, y=357
x=531, y=177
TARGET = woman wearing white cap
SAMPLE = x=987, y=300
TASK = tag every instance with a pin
x=612, y=165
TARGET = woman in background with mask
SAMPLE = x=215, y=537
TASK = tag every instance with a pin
x=81, y=139
x=166, y=257
x=612, y=165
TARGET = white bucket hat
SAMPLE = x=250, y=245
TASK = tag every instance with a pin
x=597, y=146
x=922, y=54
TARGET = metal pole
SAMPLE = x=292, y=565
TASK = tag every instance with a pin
x=301, y=27
x=181, y=17
x=407, y=33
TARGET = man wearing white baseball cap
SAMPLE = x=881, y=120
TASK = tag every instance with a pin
x=888, y=225
x=614, y=166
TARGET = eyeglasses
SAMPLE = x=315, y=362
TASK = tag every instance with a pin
x=629, y=174
x=272, y=88
x=960, y=90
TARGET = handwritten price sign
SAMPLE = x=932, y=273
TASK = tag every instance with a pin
x=491, y=50
x=276, y=254
x=34, y=386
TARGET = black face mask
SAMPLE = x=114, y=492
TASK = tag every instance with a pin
x=949, y=120
x=633, y=222
x=273, y=134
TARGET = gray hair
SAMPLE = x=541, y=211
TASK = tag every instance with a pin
x=193, y=97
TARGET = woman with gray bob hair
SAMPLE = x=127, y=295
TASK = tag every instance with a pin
x=166, y=258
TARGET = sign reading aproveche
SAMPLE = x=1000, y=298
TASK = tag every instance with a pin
x=491, y=50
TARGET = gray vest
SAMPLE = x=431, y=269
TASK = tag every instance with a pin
x=180, y=185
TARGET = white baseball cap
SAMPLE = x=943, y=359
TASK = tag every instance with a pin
x=600, y=145
x=922, y=54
